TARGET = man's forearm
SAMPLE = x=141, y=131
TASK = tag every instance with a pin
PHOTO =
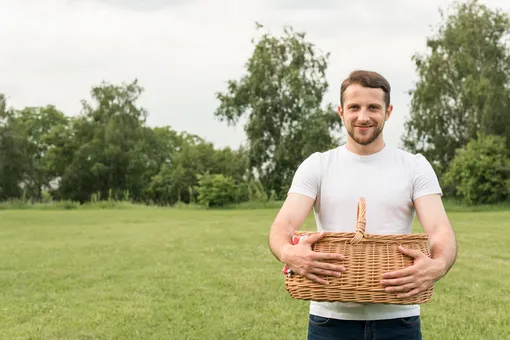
x=443, y=246
x=291, y=216
x=279, y=237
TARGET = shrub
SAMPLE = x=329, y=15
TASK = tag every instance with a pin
x=216, y=190
x=479, y=173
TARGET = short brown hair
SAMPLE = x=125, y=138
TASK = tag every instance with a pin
x=367, y=79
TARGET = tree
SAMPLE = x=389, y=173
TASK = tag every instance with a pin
x=12, y=144
x=480, y=172
x=109, y=153
x=463, y=84
x=41, y=127
x=179, y=174
x=281, y=94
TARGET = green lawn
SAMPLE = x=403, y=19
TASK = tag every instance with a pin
x=197, y=274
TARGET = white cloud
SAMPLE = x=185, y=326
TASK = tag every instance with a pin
x=54, y=51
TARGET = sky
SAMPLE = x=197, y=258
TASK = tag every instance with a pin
x=184, y=51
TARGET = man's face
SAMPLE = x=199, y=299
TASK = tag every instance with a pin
x=364, y=113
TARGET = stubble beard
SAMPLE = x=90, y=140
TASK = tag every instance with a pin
x=362, y=140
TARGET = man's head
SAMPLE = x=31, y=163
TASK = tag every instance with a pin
x=365, y=105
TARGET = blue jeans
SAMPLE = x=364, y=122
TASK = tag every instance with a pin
x=320, y=328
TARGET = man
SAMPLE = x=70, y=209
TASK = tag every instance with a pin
x=396, y=185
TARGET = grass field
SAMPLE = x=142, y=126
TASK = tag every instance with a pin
x=197, y=274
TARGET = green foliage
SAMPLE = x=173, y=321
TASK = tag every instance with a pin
x=109, y=150
x=480, y=172
x=281, y=94
x=107, y=153
x=192, y=158
x=216, y=190
x=41, y=127
x=12, y=142
x=462, y=86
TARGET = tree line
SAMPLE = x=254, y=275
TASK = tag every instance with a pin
x=459, y=119
x=107, y=152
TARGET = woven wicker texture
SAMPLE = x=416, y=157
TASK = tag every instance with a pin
x=367, y=258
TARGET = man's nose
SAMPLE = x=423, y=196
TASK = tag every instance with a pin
x=363, y=115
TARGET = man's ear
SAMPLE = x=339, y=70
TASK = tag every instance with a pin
x=340, y=112
x=388, y=112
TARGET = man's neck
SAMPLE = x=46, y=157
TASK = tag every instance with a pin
x=365, y=150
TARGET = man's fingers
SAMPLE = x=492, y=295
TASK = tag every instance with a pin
x=413, y=292
x=317, y=279
x=319, y=256
x=401, y=289
x=325, y=272
x=329, y=256
x=398, y=281
x=400, y=273
x=314, y=238
x=411, y=252
x=331, y=267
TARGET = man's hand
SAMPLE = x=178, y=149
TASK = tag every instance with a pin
x=304, y=261
x=414, y=279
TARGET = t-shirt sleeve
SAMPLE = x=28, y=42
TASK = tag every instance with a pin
x=306, y=179
x=425, y=179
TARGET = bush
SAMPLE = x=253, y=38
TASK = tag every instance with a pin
x=479, y=173
x=216, y=190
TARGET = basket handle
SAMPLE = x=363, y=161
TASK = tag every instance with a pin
x=361, y=221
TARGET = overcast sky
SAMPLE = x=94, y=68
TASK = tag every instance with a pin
x=183, y=51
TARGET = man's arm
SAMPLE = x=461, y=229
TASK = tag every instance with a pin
x=300, y=258
x=443, y=244
x=289, y=219
x=443, y=247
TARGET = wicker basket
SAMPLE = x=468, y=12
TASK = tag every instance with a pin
x=367, y=258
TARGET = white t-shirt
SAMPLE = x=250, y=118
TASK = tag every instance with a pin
x=390, y=180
